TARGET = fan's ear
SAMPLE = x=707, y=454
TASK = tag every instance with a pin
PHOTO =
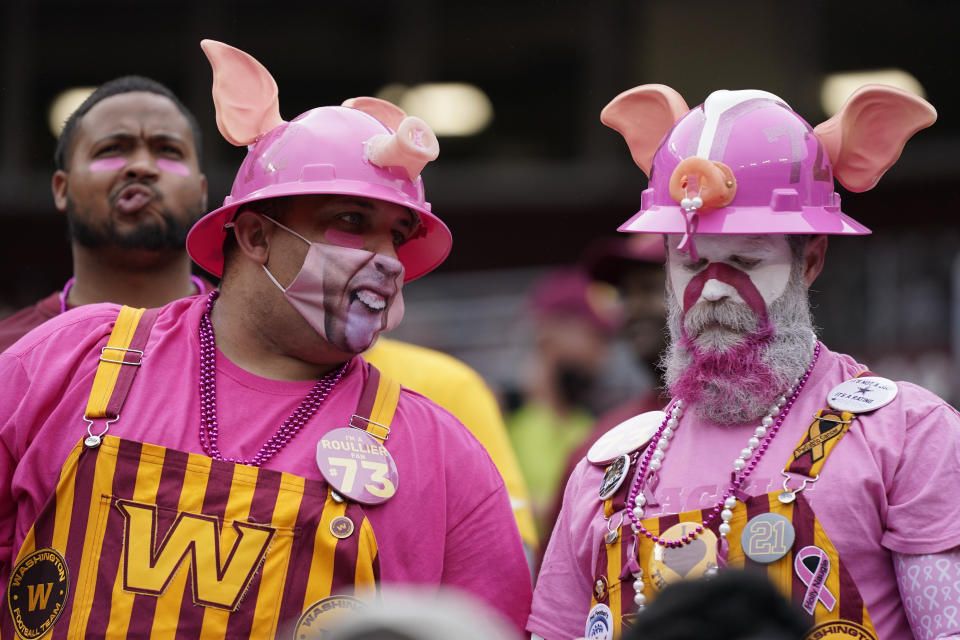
x=386, y=112
x=865, y=137
x=244, y=94
x=643, y=115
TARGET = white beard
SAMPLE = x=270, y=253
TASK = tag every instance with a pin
x=730, y=399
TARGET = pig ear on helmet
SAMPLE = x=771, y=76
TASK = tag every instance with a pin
x=865, y=137
x=386, y=112
x=643, y=115
x=244, y=94
x=410, y=146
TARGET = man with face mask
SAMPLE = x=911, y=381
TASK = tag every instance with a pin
x=128, y=178
x=228, y=464
x=774, y=454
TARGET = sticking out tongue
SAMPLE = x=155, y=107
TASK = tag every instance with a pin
x=133, y=200
x=363, y=325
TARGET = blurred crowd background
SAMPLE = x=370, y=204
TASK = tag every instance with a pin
x=528, y=179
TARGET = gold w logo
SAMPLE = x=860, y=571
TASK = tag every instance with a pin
x=38, y=596
x=219, y=580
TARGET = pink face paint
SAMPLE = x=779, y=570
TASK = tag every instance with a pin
x=173, y=166
x=770, y=255
x=728, y=275
x=108, y=164
x=343, y=239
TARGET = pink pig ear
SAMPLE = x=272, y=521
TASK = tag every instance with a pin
x=386, y=112
x=864, y=139
x=244, y=94
x=643, y=115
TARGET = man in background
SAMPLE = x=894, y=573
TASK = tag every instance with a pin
x=634, y=265
x=574, y=322
x=128, y=178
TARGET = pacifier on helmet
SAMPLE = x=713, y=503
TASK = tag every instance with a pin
x=367, y=148
x=744, y=162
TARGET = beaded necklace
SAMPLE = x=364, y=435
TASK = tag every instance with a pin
x=655, y=452
x=209, y=427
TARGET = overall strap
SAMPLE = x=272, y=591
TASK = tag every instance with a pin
x=377, y=405
x=828, y=427
x=119, y=362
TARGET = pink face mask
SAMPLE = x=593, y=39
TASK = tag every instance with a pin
x=347, y=295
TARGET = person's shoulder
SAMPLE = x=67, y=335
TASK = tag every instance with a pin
x=436, y=425
x=20, y=322
x=415, y=366
x=69, y=328
x=918, y=403
x=83, y=327
x=415, y=403
x=912, y=402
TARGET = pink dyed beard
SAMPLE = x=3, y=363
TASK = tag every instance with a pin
x=743, y=362
x=732, y=377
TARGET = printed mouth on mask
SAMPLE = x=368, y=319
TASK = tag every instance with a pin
x=133, y=197
x=370, y=300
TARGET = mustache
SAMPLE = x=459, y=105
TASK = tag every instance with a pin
x=732, y=316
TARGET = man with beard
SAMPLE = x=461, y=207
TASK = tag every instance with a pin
x=774, y=454
x=128, y=177
x=228, y=464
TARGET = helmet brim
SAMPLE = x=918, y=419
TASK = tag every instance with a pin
x=745, y=221
x=419, y=255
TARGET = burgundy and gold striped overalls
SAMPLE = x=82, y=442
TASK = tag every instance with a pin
x=845, y=617
x=144, y=541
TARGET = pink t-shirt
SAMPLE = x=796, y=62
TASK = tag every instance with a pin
x=450, y=522
x=889, y=485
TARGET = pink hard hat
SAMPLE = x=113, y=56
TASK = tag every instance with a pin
x=744, y=162
x=367, y=148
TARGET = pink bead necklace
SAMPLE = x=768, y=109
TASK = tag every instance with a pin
x=209, y=428
x=756, y=447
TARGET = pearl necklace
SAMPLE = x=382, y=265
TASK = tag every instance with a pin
x=753, y=452
x=209, y=427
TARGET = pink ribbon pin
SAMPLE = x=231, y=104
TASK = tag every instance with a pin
x=814, y=579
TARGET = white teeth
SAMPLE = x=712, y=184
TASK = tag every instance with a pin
x=371, y=299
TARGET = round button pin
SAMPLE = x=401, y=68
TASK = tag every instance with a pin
x=341, y=527
x=626, y=437
x=599, y=623
x=862, y=395
x=614, y=476
x=767, y=537
x=357, y=466
x=600, y=588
